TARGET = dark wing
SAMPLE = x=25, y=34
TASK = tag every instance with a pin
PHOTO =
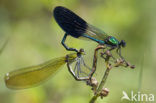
x=70, y=22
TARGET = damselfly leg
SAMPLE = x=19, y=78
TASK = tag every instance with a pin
x=105, y=51
x=81, y=71
x=127, y=63
x=119, y=53
x=63, y=43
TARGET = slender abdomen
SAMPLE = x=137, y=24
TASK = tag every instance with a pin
x=71, y=23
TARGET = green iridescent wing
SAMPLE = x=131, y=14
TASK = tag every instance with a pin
x=34, y=75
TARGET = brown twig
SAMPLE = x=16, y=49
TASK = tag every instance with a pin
x=99, y=91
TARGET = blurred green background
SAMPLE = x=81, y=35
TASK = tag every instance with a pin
x=34, y=37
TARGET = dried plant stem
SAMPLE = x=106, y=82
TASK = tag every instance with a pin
x=94, y=98
x=103, y=81
x=99, y=90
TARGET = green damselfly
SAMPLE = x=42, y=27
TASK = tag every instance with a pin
x=75, y=26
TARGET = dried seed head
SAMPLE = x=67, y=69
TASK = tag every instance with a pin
x=108, y=53
x=117, y=61
x=104, y=92
x=109, y=66
x=132, y=66
x=93, y=82
x=121, y=60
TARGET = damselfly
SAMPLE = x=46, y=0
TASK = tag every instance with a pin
x=75, y=26
x=34, y=75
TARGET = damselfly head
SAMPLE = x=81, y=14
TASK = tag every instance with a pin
x=122, y=43
x=81, y=52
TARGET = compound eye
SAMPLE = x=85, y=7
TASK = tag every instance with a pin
x=123, y=43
